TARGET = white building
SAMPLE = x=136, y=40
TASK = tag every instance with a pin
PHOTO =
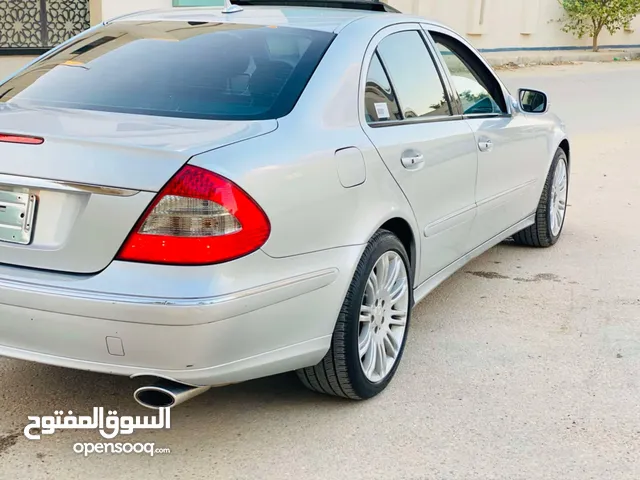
x=489, y=24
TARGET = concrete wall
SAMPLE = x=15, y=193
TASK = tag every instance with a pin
x=493, y=24
x=113, y=8
x=489, y=24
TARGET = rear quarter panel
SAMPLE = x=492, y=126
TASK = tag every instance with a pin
x=292, y=172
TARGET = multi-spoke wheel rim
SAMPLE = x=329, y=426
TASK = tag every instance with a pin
x=558, y=198
x=383, y=316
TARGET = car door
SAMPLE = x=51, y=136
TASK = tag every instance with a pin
x=509, y=147
x=431, y=153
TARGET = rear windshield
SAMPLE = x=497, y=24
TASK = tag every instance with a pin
x=199, y=70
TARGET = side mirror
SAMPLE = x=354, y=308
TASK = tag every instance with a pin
x=533, y=101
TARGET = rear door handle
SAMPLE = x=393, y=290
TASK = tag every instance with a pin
x=485, y=145
x=412, y=160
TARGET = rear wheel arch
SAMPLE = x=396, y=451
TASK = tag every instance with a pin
x=402, y=229
x=342, y=372
x=541, y=232
x=564, y=145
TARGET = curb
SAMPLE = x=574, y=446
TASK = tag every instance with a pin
x=531, y=59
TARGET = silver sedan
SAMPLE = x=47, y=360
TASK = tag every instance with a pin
x=207, y=196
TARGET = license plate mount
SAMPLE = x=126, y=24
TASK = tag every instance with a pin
x=17, y=215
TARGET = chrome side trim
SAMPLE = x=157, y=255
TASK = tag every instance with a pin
x=472, y=116
x=57, y=185
x=430, y=284
x=463, y=215
x=500, y=195
x=416, y=121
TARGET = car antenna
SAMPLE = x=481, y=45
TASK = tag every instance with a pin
x=230, y=7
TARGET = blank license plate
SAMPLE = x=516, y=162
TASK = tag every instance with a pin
x=17, y=211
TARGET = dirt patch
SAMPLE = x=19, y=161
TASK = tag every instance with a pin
x=546, y=277
x=490, y=275
x=8, y=441
x=540, y=277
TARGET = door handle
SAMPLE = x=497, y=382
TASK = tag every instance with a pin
x=412, y=160
x=485, y=145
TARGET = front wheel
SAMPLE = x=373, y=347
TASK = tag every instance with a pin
x=371, y=331
x=552, y=207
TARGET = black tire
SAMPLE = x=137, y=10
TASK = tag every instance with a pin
x=539, y=234
x=340, y=372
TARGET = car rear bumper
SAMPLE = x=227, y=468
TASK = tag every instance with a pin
x=222, y=334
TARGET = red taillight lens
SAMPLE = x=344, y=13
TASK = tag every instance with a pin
x=198, y=218
x=25, y=139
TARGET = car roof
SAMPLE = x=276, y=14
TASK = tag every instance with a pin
x=311, y=18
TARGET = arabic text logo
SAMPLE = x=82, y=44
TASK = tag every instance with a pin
x=109, y=427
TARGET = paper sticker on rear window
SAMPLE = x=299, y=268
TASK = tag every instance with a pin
x=382, y=110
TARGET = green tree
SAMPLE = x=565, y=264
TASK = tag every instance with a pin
x=590, y=17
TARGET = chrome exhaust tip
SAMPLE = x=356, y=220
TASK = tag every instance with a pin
x=166, y=393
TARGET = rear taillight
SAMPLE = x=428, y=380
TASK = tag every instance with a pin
x=24, y=139
x=198, y=218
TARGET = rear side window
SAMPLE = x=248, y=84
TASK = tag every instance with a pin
x=414, y=76
x=380, y=101
x=177, y=69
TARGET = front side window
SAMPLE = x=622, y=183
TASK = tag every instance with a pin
x=415, y=79
x=479, y=93
x=176, y=69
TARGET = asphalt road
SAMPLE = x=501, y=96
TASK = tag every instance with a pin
x=524, y=365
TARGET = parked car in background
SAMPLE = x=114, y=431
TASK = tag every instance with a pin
x=206, y=196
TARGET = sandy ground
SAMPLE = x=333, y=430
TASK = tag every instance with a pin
x=524, y=365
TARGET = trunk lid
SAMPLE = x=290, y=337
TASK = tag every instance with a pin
x=69, y=203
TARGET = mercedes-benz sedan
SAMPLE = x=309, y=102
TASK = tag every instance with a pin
x=207, y=196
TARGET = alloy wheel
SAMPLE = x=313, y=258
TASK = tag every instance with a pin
x=383, y=316
x=558, y=205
